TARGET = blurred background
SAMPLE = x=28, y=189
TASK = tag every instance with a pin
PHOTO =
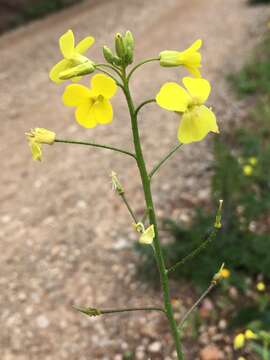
x=66, y=238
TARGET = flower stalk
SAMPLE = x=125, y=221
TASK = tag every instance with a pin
x=152, y=218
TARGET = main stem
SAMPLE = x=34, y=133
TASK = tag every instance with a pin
x=152, y=219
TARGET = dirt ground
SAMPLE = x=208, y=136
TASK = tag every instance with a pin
x=65, y=237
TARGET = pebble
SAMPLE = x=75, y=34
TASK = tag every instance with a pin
x=42, y=321
x=155, y=347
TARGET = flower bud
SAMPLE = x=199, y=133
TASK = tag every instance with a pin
x=108, y=55
x=120, y=46
x=83, y=69
x=129, y=46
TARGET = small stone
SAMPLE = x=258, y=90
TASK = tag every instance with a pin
x=211, y=352
x=155, y=347
x=42, y=322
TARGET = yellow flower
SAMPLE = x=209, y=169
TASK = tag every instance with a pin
x=73, y=55
x=93, y=105
x=241, y=358
x=197, y=120
x=253, y=160
x=39, y=136
x=225, y=273
x=148, y=235
x=239, y=341
x=247, y=170
x=260, y=286
x=190, y=58
x=249, y=334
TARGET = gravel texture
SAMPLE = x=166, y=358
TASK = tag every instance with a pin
x=65, y=237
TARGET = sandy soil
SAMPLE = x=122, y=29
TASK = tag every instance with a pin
x=65, y=237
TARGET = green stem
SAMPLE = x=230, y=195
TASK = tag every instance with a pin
x=195, y=252
x=152, y=218
x=139, y=65
x=89, y=143
x=142, y=105
x=193, y=307
x=129, y=207
x=163, y=160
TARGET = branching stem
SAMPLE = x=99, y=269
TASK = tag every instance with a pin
x=163, y=160
x=193, y=307
x=195, y=252
x=90, y=143
x=143, y=104
x=139, y=65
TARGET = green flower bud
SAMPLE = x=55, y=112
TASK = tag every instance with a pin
x=129, y=47
x=108, y=55
x=83, y=69
x=120, y=46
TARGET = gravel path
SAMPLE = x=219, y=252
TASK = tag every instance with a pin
x=65, y=237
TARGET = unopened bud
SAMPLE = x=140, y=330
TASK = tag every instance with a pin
x=129, y=47
x=218, y=223
x=83, y=69
x=41, y=136
x=108, y=55
x=119, y=46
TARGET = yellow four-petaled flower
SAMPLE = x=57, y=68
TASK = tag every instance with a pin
x=197, y=119
x=189, y=58
x=93, y=104
x=73, y=55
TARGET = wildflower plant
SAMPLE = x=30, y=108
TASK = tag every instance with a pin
x=93, y=107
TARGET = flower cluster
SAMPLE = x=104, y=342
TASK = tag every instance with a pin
x=93, y=104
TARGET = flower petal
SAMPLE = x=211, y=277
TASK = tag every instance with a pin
x=57, y=68
x=194, y=71
x=173, y=97
x=66, y=43
x=84, y=117
x=148, y=235
x=35, y=149
x=75, y=94
x=196, y=124
x=199, y=89
x=84, y=44
x=103, y=85
x=102, y=112
x=196, y=45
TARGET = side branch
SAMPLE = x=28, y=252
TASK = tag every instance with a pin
x=96, y=312
x=193, y=307
x=139, y=65
x=195, y=252
x=142, y=105
x=166, y=157
x=88, y=143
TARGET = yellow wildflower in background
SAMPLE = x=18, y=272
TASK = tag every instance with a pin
x=253, y=160
x=93, y=105
x=73, y=55
x=241, y=358
x=39, y=136
x=239, y=341
x=249, y=334
x=247, y=170
x=197, y=119
x=225, y=273
x=189, y=58
x=260, y=286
